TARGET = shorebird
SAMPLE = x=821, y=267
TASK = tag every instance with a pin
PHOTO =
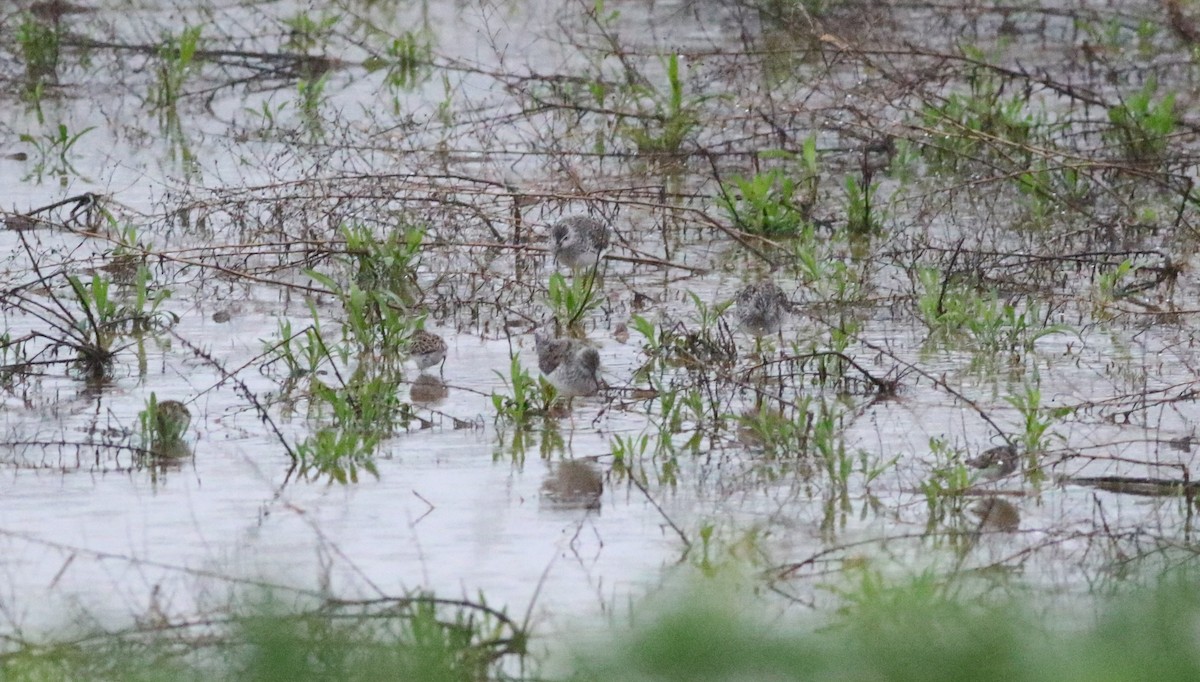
x=761, y=308
x=171, y=419
x=427, y=349
x=996, y=462
x=165, y=424
x=571, y=366
x=579, y=241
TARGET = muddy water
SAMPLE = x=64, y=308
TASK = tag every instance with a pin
x=457, y=508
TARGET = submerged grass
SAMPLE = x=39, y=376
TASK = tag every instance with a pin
x=53, y=151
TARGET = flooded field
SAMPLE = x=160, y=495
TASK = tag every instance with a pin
x=225, y=223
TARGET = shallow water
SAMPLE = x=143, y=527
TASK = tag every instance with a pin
x=458, y=508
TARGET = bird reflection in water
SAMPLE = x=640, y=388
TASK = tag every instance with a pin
x=573, y=484
x=428, y=390
x=996, y=515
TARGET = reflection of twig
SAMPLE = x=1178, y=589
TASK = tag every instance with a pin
x=333, y=546
x=81, y=201
x=427, y=511
x=537, y=592
x=884, y=387
x=281, y=64
x=101, y=555
x=263, y=414
x=678, y=531
x=935, y=380
x=1155, y=487
x=784, y=571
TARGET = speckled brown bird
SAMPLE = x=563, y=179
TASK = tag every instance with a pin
x=760, y=309
x=579, y=241
x=427, y=349
x=571, y=366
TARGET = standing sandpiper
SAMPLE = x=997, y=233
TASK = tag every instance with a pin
x=579, y=241
x=171, y=419
x=571, y=366
x=427, y=349
x=164, y=425
x=996, y=462
x=761, y=308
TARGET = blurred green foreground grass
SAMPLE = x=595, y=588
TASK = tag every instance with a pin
x=912, y=632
